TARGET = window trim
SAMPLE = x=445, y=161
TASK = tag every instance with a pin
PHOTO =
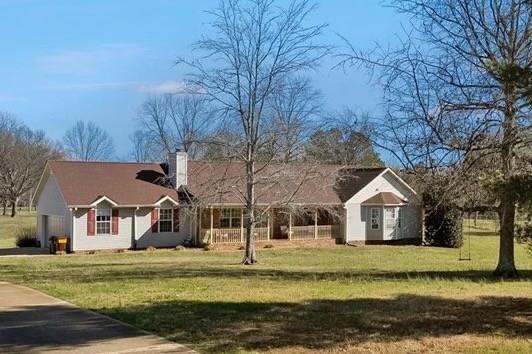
x=96, y=222
x=371, y=219
x=231, y=218
x=171, y=220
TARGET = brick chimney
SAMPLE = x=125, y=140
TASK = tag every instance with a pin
x=177, y=168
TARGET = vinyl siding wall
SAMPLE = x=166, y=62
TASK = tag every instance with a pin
x=51, y=203
x=358, y=217
x=83, y=242
x=145, y=238
x=134, y=229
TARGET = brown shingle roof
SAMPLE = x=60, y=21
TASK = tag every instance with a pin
x=125, y=183
x=384, y=198
x=220, y=182
x=224, y=182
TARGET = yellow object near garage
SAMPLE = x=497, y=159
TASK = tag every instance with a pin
x=58, y=244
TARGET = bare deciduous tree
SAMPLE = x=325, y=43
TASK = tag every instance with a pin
x=451, y=92
x=144, y=149
x=295, y=109
x=257, y=45
x=23, y=155
x=88, y=142
x=177, y=122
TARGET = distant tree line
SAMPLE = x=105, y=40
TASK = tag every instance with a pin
x=297, y=130
x=23, y=155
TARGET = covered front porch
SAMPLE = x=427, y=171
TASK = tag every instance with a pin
x=227, y=224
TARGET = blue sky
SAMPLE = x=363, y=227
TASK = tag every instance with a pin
x=64, y=60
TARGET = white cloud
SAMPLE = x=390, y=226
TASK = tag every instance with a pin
x=87, y=61
x=163, y=87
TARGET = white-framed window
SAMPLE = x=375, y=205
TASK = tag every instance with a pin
x=391, y=217
x=399, y=217
x=230, y=218
x=103, y=221
x=166, y=220
x=375, y=214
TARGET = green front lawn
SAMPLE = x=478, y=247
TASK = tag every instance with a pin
x=9, y=227
x=371, y=298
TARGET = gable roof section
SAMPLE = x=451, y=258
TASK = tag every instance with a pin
x=384, y=198
x=124, y=183
x=211, y=182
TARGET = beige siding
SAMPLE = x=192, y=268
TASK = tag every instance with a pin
x=83, y=242
x=357, y=220
x=51, y=203
x=134, y=229
x=145, y=238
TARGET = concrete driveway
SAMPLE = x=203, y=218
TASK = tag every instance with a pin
x=32, y=322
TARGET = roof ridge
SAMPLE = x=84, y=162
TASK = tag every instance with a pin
x=219, y=162
x=106, y=162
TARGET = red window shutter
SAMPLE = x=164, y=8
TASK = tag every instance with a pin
x=114, y=222
x=91, y=222
x=176, y=220
x=155, y=220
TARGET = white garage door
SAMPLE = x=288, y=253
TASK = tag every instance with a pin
x=55, y=225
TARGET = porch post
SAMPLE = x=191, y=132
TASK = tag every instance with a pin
x=199, y=236
x=316, y=223
x=212, y=226
x=290, y=226
x=73, y=228
x=268, y=227
x=241, y=225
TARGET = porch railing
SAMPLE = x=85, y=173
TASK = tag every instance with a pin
x=235, y=235
x=232, y=235
x=302, y=233
x=313, y=232
x=328, y=231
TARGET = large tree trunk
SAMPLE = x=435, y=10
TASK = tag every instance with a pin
x=506, y=265
x=250, y=256
x=14, y=208
x=4, y=206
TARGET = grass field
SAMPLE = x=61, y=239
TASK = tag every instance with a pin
x=353, y=299
x=9, y=226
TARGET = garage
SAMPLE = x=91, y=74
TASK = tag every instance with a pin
x=53, y=225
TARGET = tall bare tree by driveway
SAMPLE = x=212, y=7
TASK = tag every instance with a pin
x=88, y=142
x=256, y=45
x=451, y=92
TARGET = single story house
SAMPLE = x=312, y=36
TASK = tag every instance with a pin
x=121, y=205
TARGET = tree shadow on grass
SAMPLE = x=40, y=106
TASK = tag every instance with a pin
x=326, y=324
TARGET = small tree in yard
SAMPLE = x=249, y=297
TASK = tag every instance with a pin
x=458, y=90
x=256, y=47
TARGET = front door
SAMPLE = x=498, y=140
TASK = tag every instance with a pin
x=392, y=227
